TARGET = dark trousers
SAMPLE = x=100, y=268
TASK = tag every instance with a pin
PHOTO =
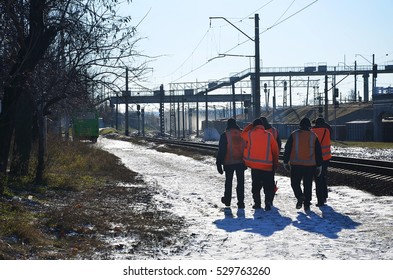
x=301, y=173
x=274, y=186
x=321, y=184
x=262, y=179
x=239, y=187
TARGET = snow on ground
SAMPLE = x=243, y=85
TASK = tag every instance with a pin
x=365, y=153
x=354, y=225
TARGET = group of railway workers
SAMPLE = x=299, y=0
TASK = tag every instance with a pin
x=306, y=156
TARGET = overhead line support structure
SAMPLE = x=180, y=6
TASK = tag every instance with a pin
x=256, y=95
x=202, y=88
x=126, y=95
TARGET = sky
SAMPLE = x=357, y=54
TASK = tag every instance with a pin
x=185, y=43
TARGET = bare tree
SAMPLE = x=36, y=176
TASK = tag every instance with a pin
x=56, y=52
x=352, y=96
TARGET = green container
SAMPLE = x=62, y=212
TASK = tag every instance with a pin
x=85, y=125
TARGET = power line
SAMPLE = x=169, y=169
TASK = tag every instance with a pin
x=285, y=11
x=239, y=44
x=188, y=73
x=192, y=53
x=208, y=60
x=253, y=13
x=274, y=25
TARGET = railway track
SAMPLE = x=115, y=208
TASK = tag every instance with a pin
x=366, y=170
x=185, y=144
x=374, y=169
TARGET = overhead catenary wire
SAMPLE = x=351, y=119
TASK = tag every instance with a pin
x=285, y=12
x=208, y=59
x=253, y=13
x=192, y=53
x=292, y=15
x=278, y=22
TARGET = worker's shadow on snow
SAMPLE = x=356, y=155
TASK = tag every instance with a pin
x=263, y=222
x=329, y=224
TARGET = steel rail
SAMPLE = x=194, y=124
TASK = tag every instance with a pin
x=377, y=169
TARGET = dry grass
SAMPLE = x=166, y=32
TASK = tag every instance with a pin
x=371, y=145
x=89, y=199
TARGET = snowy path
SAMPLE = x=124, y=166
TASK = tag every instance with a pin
x=355, y=225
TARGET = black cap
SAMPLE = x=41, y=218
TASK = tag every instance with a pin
x=257, y=122
x=231, y=123
x=320, y=121
x=264, y=120
x=305, y=122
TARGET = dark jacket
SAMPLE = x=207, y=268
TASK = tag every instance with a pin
x=222, y=150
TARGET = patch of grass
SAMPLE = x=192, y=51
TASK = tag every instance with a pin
x=372, y=145
x=77, y=164
x=89, y=197
x=18, y=223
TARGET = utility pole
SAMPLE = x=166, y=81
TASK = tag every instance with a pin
x=257, y=94
x=326, y=99
x=197, y=118
x=138, y=113
x=161, y=110
x=274, y=97
x=374, y=76
x=206, y=111
x=233, y=101
x=143, y=121
x=117, y=112
x=334, y=104
x=178, y=119
x=183, y=118
x=290, y=91
x=189, y=119
x=257, y=74
x=126, y=95
x=366, y=75
x=308, y=85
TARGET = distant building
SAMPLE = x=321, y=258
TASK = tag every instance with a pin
x=384, y=90
x=383, y=111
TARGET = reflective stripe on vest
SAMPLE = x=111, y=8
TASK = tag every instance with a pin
x=303, y=155
x=273, y=131
x=268, y=160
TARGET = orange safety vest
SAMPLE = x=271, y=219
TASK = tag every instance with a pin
x=303, y=148
x=235, y=147
x=261, y=151
x=323, y=135
x=273, y=131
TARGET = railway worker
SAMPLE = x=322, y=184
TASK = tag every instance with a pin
x=323, y=131
x=261, y=155
x=230, y=155
x=303, y=158
x=274, y=131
